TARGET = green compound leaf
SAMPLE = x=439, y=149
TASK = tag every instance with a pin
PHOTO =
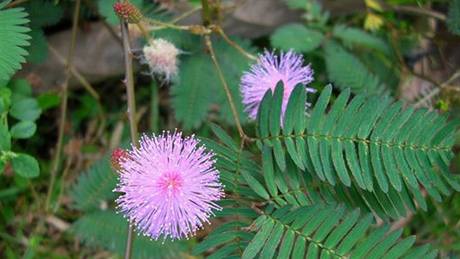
x=43, y=13
x=297, y=37
x=108, y=230
x=328, y=232
x=94, y=186
x=361, y=146
x=192, y=94
x=198, y=88
x=345, y=70
x=13, y=35
x=356, y=37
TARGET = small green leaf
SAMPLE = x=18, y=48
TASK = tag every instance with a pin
x=453, y=17
x=223, y=136
x=263, y=114
x=37, y=8
x=25, y=109
x=48, y=100
x=255, y=185
x=4, y=3
x=269, y=174
x=258, y=241
x=5, y=99
x=5, y=138
x=273, y=241
x=20, y=87
x=38, y=49
x=297, y=37
x=214, y=240
x=287, y=244
x=23, y=129
x=297, y=4
x=2, y=167
x=275, y=111
x=25, y=166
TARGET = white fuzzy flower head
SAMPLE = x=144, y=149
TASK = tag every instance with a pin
x=161, y=56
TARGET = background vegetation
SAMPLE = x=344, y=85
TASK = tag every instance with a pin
x=305, y=189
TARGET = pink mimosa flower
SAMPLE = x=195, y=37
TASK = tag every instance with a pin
x=267, y=72
x=169, y=186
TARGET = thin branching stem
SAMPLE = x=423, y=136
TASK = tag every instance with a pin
x=75, y=73
x=207, y=22
x=206, y=12
x=230, y=42
x=436, y=90
x=144, y=32
x=167, y=25
x=92, y=6
x=418, y=11
x=226, y=89
x=63, y=117
x=16, y=3
x=186, y=14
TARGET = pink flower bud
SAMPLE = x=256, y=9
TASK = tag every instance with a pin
x=127, y=11
x=118, y=155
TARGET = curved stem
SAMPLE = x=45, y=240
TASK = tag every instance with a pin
x=75, y=73
x=230, y=42
x=206, y=12
x=163, y=25
x=15, y=3
x=144, y=32
x=436, y=90
x=226, y=89
x=63, y=117
x=419, y=11
x=185, y=15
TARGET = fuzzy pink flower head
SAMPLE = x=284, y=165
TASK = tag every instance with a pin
x=267, y=72
x=161, y=57
x=169, y=186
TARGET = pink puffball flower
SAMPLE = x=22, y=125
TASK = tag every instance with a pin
x=169, y=186
x=161, y=57
x=267, y=72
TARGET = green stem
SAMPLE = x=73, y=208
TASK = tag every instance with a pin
x=226, y=89
x=206, y=12
x=154, y=106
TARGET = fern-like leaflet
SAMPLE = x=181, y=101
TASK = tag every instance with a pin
x=328, y=232
x=13, y=35
x=368, y=140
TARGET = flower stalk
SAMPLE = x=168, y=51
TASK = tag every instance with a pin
x=129, y=83
x=226, y=88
